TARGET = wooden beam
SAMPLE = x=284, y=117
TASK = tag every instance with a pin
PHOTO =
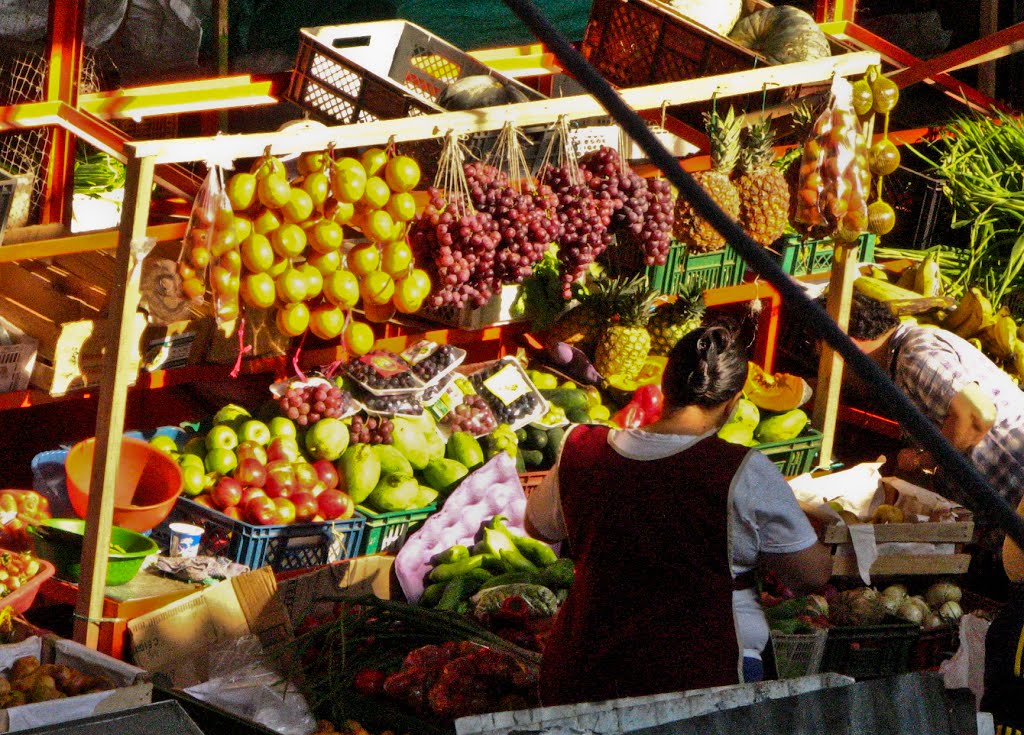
x=87, y=242
x=494, y=118
x=996, y=46
x=988, y=23
x=830, y=367
x=117, y=373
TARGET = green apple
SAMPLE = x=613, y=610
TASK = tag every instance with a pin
x=282, y=426
x=195, y=446
x=193, y=480
x=221, y=437
x=191, y=460
x=164, y=443
x=255, y=431
x=221, y=461
x=231, y=415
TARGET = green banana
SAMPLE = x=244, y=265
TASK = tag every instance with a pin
x=1018, y=358
x=927, y=279
x=908, y=277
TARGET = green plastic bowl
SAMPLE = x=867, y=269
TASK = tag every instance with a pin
x=60, y=542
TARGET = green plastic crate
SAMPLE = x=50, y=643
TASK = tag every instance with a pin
x=803, y=257
x=796, y=456
x=721, y=268
x=387, y=532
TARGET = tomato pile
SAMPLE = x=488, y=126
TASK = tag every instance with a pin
x=15, y=570
x=18, y=510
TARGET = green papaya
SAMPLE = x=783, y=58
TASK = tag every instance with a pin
x=566, y=398
x=392, y=462
x=464, y=448
x=394, y=492
x=533, y=459
x=444, y=474
x=746, y=413
x=426, y=496
x=535, y=438
x=782, y=427
x=411, y=441
x=735, y=433
x=361, y=469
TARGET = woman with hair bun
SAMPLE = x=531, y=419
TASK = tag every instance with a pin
x=668, y=525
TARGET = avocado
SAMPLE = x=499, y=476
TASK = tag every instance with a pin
x=566, y=398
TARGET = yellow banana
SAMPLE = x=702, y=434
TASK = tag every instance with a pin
x=976, y=343
x=881, y=290
x=979, y=313
x=1000, y=336
x=1018, y=358
x=927, y=280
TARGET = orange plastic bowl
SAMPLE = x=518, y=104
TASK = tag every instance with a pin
x=148, y=483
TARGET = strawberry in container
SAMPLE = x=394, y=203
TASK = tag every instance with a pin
x=20, y=509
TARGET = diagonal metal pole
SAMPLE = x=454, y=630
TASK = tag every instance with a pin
x=956, y=464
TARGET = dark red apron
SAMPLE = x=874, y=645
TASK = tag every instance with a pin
x=651, y=608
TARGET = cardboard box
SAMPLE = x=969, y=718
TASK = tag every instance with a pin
x=176, y=345
x=176, y=640
x=134, y=688
x=17, y=359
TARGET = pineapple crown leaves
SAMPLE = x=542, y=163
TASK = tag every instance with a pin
x=724, y=134
x=634, y=308
x=757, y=150
x=689, y=301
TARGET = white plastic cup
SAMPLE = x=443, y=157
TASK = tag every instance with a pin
x=185, y=540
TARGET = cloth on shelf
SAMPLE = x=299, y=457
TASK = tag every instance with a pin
x=198, y=568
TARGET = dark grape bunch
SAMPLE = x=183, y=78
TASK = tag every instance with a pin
x=372, y=430
x=583, y=219
x=369, y=377
x=307, y=404
x=400, y=403
x=527, y=220
x=442, y=358
x=520, y=408
x=642, y=210
x=461, y=247
x=473, y=415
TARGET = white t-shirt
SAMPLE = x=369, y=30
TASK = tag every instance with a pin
x=765, y=518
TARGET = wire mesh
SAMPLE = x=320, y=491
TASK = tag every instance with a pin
x=23, y=79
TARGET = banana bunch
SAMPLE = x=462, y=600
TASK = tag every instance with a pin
x=993, y=331
x=973, y=314
x=923, y=277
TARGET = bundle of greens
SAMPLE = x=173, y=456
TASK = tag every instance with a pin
x=96, y=173
x=981, y=160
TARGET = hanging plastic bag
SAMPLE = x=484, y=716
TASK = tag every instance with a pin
x=834, y=179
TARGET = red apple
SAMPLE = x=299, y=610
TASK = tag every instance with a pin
x=227, y=492
x=250, y=472
x=335, y=505
x=285, y=511
x=327, y=473
x=233, y=512
x=284, y=447
x=252, y=492
x=251, y=450
x=204, y=500
x=306, y=475
x=281, y=481
x=305, y=506
x=318, y=488
x=261, y=511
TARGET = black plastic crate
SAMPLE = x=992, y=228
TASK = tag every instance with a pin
x=870, y=651
x=924, y=215
x=161, y=718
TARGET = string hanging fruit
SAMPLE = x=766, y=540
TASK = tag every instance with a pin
x=883, y=156
x=457, y=240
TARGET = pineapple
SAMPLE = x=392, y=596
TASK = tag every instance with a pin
x=625, y=343
x=764, y=193
x=581, y=326
x=674, y=321
x=690, y=228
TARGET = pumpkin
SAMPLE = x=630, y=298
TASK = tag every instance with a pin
x=782, y=34
x=780, y=392
x=479, y=90
x=718, y=15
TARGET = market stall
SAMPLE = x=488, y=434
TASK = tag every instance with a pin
x=408, y=354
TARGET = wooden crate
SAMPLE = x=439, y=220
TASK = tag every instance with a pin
x=956, y=533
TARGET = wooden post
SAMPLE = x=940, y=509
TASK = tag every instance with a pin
x=118, y=372
x=988, y=24
x=830, y=368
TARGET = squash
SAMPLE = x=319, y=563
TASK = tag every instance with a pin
x=718, y=15
x=782, y=34
x=479, y=90
x=780, y=392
